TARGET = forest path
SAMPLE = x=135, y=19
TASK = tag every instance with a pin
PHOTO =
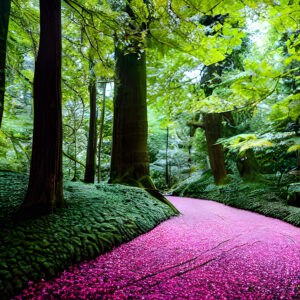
x=212, y=251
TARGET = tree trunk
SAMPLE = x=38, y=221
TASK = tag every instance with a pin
x=4, y=18
x=213, y=131
x=129, y=161
x=193, y=126
x=45, y=190
x=248, y=167
x=75, y=149
x=167, y=163
x=101, y=133
x=89, y=176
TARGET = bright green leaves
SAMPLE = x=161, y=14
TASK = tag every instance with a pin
x=293, y=48
x=284, y=16
x=15, y=142
x=294, y=147
x=243, y=142
x=140, y=10
x=102, y=70
x=177, y=25
x=195, y=41
x=287, y=108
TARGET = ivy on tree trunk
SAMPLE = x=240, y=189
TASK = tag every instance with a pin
x=45, y=189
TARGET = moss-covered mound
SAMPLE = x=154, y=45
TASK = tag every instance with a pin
x=264, y=197
x=98, y=218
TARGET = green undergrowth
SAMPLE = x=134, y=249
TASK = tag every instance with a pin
x=98, y=218
x=264, y=197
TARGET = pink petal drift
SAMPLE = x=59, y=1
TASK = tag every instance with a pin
x=212, y=251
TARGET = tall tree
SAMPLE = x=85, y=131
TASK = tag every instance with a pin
x=45, y=190
x=4, y=18
x=89, y=176
x=130, y=163
x=213, y=128
x=130, y=159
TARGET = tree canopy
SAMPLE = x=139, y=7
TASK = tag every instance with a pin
x=236, y=59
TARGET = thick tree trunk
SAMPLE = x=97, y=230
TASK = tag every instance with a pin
x=4, y=18
x=213, y=131
x=101, y=133
x=130, y=162
x=129, y=159
x=89, y=176
x=45, y=190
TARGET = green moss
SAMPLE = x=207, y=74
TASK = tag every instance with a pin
x=145, y=182
x=98, y=217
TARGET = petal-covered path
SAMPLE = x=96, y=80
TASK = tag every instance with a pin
x=212, y=251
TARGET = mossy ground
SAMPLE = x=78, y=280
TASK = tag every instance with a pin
x=265, y=197
x=98, y=217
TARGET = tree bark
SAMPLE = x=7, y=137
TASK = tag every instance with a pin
x=213, y=131
x=45, y=190
x=129, y=161
x=167, y=163
x=4, y=19
x=248, y=167
x=101, y=133
x=75, y=149
x=89, y=176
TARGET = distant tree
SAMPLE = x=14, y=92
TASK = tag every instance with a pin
x=101, y=132
x=212, y=123
x=45, y=190
x=4, y=18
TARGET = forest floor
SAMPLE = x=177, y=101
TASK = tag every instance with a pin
x=98, y=218
x=265, y=197
x=212, y=251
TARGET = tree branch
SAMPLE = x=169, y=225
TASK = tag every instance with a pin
x=72, y=158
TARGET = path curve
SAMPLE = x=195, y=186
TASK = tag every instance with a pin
x=212, y=251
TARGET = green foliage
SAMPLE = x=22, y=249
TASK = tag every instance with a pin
x=243, y=142
x=252, y=46
x=288, y=108
x=15, y=142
